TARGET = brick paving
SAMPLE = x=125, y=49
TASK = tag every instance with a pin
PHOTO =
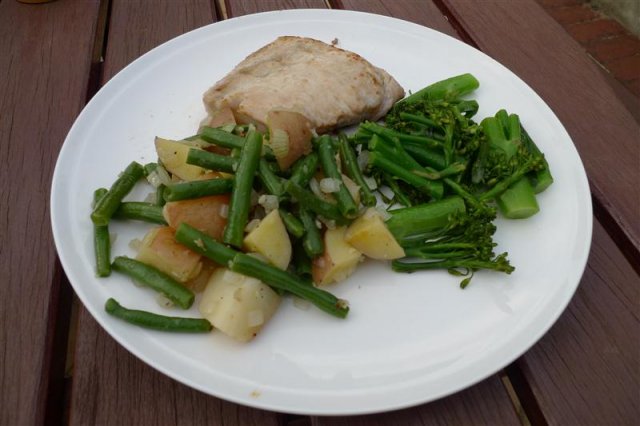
x=613, y=47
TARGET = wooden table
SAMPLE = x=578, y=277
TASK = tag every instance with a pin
x=58, y=366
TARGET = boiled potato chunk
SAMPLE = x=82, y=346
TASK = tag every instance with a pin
x=371, y=236
x=292, y=131
x=207, y=214
x=338, y=261
x=222, y=117
x=173, y=156
x=237, y=305
x=160, y=250
x=271, y=240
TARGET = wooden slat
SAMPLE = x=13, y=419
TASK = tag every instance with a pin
x=604, y=131
x=484, y=404
x=585, y=370
x=237, y=8
x=420, y=12
x=110, y=386
x=44, y=64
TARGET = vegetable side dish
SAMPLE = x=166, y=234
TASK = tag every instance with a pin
x=263, y=202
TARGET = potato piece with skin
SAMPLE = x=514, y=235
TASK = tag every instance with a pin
x=338, y=261
x=173, y=156
x=297, y=129
x=370, y=235
x=160, y=250
x=207, y=214
x=271, y=240
x=237, y=305
x=222, y=117
x=199, y=282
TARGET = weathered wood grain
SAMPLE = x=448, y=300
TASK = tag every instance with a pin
x=235, y=8
x=110, y=386
x=484, y=404
x=420, y=12
x=44, y=62
x=603, y=130
x=585, y=370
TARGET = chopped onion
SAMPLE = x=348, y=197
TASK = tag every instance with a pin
x=329, y=223
x=269, y=202
x=329, y=185
x=164, y=301
x=371, y=182
x=315, y=187
x=159, y=176
x=363, y=159
x=255, y=318
x=229, y=128
x=384, y=213
x=279, y=143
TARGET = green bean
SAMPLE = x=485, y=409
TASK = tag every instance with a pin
x=197, y=189
x=352, y=169
x=315, y=204
x=155, y=279
x=312, y=240
x=155, y=321
x=160, y=201
x=203, y=244
x=283, y=280
x=301, y=261
x=240, y=201
x=269, y=179
x=292, y=223
x=304, y=169
x=210, y=160
x=107, y=205
x=221, y=138
x=327, y=156
x=138, y=210
x=101, y=241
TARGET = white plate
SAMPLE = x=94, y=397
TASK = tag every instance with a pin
x=408, y=338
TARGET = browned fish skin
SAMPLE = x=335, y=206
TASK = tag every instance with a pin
x=332, y=87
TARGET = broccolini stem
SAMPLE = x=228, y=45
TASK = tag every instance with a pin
x=425, y=186
x=424, y=218
x=449, y=89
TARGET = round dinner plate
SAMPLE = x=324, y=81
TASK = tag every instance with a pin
x=409, y=338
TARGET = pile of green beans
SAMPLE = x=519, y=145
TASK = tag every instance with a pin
x=254, y=169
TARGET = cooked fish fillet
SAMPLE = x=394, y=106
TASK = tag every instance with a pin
x=332, y=87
